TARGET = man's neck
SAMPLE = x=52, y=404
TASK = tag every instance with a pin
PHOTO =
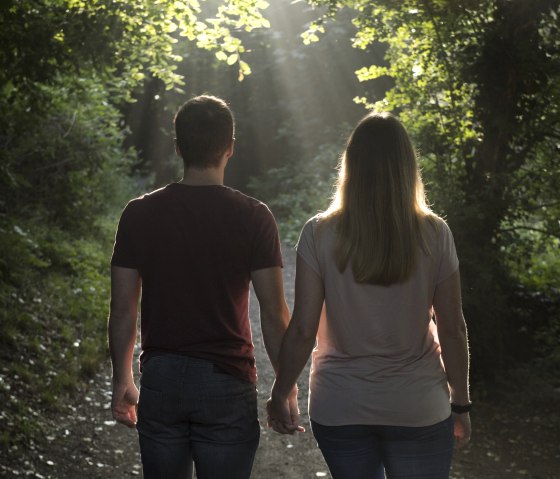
x=201, y=177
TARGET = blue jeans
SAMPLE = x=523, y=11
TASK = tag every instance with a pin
x=370, y=452
x=191, y=411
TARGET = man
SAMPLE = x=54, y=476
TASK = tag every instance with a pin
x=192, y=248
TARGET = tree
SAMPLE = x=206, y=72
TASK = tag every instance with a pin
x=296, y=101
x=55, y=48
x=477, y=84
x=66, y=69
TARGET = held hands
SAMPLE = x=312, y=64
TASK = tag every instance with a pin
x=461, y=429
x=283, y=414
x=124, y=402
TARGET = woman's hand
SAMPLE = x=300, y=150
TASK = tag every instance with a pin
x=461, y=429
x=283, y=414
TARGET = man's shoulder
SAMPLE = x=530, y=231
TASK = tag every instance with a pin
x=152, y=195
x=148, y=198
x=245, y=200
x=225, y=198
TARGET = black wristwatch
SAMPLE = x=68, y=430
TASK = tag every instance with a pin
x=460, y=409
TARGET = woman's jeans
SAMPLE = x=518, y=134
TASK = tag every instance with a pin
x=191, y=411
x=367, y=452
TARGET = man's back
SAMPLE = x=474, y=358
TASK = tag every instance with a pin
x=195, y=248
x=190, y=250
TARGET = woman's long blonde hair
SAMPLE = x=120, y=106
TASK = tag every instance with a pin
x=379, y=203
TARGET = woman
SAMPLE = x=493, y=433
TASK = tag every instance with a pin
x=371, y=273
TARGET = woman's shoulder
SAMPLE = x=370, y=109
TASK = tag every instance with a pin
x=322, y=224
x=317, y=228
x=435, y=224
x=325, y=219
x=436, y=234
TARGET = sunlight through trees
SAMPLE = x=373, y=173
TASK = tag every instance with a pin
x=87, y=91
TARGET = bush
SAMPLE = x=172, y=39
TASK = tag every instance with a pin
x=298, y=190
x=53, y=306
x=64, y=176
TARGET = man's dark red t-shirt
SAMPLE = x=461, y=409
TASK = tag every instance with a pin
x=195, y=248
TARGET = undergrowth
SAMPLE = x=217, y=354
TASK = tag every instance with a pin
x=53, y=307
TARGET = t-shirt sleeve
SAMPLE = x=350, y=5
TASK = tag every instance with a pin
x=449, y=262
x=266, y=245
x=125, y=251
x=306, y=247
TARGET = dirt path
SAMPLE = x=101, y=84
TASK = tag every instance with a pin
x=519, y=437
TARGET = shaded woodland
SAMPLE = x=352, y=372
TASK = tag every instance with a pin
x=87, y=95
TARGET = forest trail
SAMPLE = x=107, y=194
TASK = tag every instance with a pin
x=518, y=438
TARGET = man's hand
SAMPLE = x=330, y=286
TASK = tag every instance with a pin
x=124, y=402
x=125, y=291
x=461, y=429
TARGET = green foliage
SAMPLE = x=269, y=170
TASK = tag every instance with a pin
x=67, y=68
x=535, y=261
x=477, y=85
x=123, y=41
x=298, y=190
x=64, y=160
x=52, y=319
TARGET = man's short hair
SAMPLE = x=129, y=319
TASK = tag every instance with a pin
x=204, y=128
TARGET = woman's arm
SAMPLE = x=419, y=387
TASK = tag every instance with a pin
x=452, y=333
x=297, y=345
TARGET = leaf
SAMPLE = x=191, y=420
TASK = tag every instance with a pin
x=221, y=56
x=371, y=73
x=232, y=59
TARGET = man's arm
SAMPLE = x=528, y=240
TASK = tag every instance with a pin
x=125, y=291
x=298, y=342
x=452, y=333
x=275, y=317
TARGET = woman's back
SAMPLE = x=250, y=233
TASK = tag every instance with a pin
x=377, y=357
x=370, y=272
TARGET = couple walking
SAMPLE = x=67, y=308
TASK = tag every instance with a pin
x=377, y=302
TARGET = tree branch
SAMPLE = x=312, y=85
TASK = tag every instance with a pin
x=530, y=228
x=71, y=125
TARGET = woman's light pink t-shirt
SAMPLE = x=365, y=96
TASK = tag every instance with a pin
x=377, y=358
